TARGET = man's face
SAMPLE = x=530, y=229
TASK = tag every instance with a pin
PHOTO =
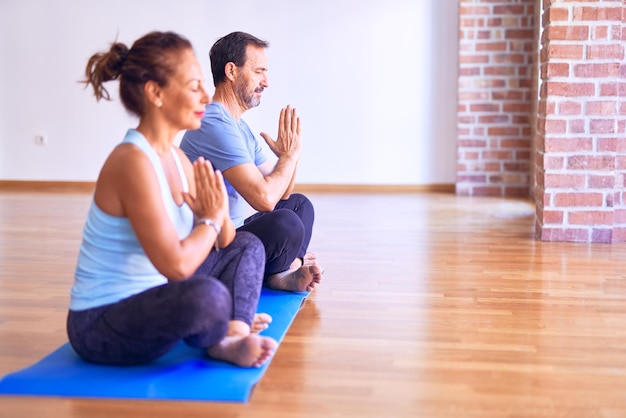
x=252, y=77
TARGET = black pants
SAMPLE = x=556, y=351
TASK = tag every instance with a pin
x=285, y=232
x=145, y=326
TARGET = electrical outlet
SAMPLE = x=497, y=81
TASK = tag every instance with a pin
x=41, y=139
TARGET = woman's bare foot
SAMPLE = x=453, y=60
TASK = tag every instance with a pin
x=302, y=279
x=250, y=351
x=238, y=328
x=260, y=322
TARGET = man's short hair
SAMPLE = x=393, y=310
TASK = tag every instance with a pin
x=231, y=48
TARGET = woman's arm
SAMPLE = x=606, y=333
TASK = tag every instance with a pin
x=128, y=187
x=227, y=227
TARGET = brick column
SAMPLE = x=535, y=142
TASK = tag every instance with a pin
x=580, y=146
x=497, y=50
x=619, y=225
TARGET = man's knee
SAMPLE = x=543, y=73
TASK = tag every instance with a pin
x=296, y=202
x=288, y=223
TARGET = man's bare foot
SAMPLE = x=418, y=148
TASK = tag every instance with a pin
x=250, y=351
x=309, y=259
x=260, y=322
x=302, y=279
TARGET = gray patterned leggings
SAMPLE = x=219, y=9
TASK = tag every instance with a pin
x=143, y=327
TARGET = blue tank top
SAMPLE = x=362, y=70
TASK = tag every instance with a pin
x=112, y=265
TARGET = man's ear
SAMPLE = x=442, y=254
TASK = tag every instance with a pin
x=230, y=69
x=153, y=93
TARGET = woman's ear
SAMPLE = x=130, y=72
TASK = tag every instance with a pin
x=153, y=93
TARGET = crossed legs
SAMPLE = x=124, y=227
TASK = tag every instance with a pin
x=286, y=233
x=201, y=310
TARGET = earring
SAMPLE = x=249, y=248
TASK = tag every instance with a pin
x=159, y=103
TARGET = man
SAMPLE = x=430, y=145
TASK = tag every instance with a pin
x=283, y=221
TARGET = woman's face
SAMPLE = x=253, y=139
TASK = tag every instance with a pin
x=184, y=98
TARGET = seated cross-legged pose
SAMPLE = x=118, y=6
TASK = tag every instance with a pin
x=160, y=261
x=283, y=220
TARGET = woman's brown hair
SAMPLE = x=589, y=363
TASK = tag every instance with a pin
x=152, y=57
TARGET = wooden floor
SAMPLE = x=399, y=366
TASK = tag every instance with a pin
x=432, y=306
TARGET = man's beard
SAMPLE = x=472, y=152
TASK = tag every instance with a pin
x=250, y=100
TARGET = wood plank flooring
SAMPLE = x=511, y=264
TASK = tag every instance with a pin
x=432, y=305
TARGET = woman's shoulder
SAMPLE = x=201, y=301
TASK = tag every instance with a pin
x=126, y=164
x=126, y=174
x=127, y=156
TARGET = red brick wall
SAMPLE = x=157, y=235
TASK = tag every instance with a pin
x=619, y=221
x=497, y=49
x=561, y=138
x=580, y=144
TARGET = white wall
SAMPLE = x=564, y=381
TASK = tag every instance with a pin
x=373, y=80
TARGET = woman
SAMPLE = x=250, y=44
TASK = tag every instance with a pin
x=146, y=277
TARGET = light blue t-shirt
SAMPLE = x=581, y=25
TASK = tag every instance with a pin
x=112, y=265
x=226, y=143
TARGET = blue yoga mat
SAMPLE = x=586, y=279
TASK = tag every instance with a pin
x=184, y=373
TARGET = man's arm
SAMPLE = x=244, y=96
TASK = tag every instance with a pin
x=291, y=184
x=266, y=168
x=263, y=186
